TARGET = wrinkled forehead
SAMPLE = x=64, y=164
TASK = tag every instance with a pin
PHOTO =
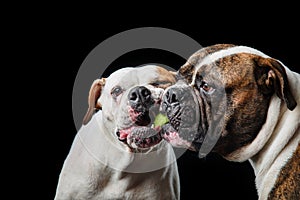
x=208, y=58
x=131, y=76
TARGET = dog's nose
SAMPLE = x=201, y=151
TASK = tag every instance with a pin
x=171, y=96
x=170, y=100
x=139, y=95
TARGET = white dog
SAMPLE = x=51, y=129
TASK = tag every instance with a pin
x=117, y=154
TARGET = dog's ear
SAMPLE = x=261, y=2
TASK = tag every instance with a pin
x=94, y=94
x=271, y=75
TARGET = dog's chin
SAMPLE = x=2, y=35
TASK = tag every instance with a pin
x=182, y=138
x=141, y=134
x=140, y=137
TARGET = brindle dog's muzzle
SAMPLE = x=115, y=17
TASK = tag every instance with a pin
x=188, y=119
x=180, y=104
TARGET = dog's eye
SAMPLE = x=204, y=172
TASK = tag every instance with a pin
x=206, y=88
x=116, y=91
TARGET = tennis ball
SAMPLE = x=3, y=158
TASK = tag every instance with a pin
x=160, y=120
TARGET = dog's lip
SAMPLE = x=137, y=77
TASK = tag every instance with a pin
x=140, y=136
x=179, y=137
x=173, y=137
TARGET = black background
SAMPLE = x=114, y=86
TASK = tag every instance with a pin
x=59, y=43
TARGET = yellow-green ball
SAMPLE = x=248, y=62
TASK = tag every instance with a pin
x=160, y=120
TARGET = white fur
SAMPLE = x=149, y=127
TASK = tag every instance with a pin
x=281, y=145
x=99, y=166
x=96, y=164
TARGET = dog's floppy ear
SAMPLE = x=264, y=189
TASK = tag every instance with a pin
x=94, y=94
x=272, y=76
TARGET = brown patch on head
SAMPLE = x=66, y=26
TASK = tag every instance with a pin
x=187, y=70
x=165, y=79
x=287, y=185
x=202, y=53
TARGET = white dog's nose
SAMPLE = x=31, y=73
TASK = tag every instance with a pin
x=140, y=93
x=140, y=97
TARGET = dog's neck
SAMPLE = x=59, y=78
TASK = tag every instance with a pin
x=274, y=144
x=268, y=153
x=266, y=132
x=280, y=146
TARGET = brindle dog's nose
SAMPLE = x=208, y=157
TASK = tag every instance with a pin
x=170, y=100
x=140, y=96
x=171, y=97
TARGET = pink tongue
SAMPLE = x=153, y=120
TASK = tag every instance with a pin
x=124, y=133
